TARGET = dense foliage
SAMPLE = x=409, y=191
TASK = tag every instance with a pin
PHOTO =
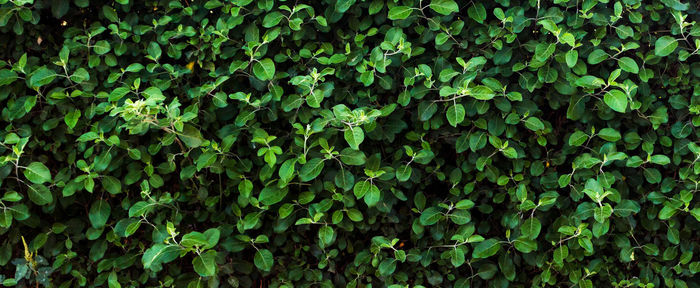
x=349, y=143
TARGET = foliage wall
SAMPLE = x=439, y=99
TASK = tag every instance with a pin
x=349, y=143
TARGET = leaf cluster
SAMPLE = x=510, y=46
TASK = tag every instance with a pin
x=349, y=143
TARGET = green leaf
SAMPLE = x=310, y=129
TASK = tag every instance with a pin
x=460, y=217
x=597, y=56
x=118, y=93
x=399, y=12
x=628, y=64
x=569, y=39
x=510, y=152
x=113, y=280
x=314, y=99
x=665, y=45
x=667, y=212
x=455, y=114
x=695, y=213
x=660, y=159
x=387, y=267
x=486, y=248
x=326, y=235
x=373, y=195
x=71, y=118
x=271, y=195
x=430, y=216
x=194, y=239
x=590, y=82
x=609, y=134
x=64, y=54
x=140, y=208
x=5, y=219
x=102, y=47
x=89, y=136
x=403, y=173
x=571, y=58
x=272, y=19
x=263, y=260
x=577, y=138
x=191, y=136
x=7, y=77
x=367, y=78
x=547, y=74
x=354, y=136
x=153, y=93
x=694, y=267
x=343, y=5
x=286, y=171
x=111, y=184
x=465, y=204
x=564, y=180
x=650, y=249
x=37, y=173
x=616, y=100
x=375, y=6
x=205, y=160
x=40, y=194
x=601, y=214
x=99, y=213
x=585, y=243
x=205, y=263
x=462, y=143
x=481, y=92
x=675, y=4
x=534, y=124
x=154, y=50
x=560, y=254
x=361, y=188
x=80, y=75
x=626, y=208
x=158, y=254
x=531, y=228
x=477, y=12
x=444, y=7
x=264, y=69
x=426, y=110
x=355, y=215
x=110, y=13
x=41, y=77
x=544, y=50
x=311, y=169
x=352, y=157
x=652, y=175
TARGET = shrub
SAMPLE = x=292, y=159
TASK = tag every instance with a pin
x=349, y=143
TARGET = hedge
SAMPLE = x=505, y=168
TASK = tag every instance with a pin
x=349, y=143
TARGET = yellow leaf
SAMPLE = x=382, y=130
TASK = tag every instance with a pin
x=27, y=254
x=190, y=66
